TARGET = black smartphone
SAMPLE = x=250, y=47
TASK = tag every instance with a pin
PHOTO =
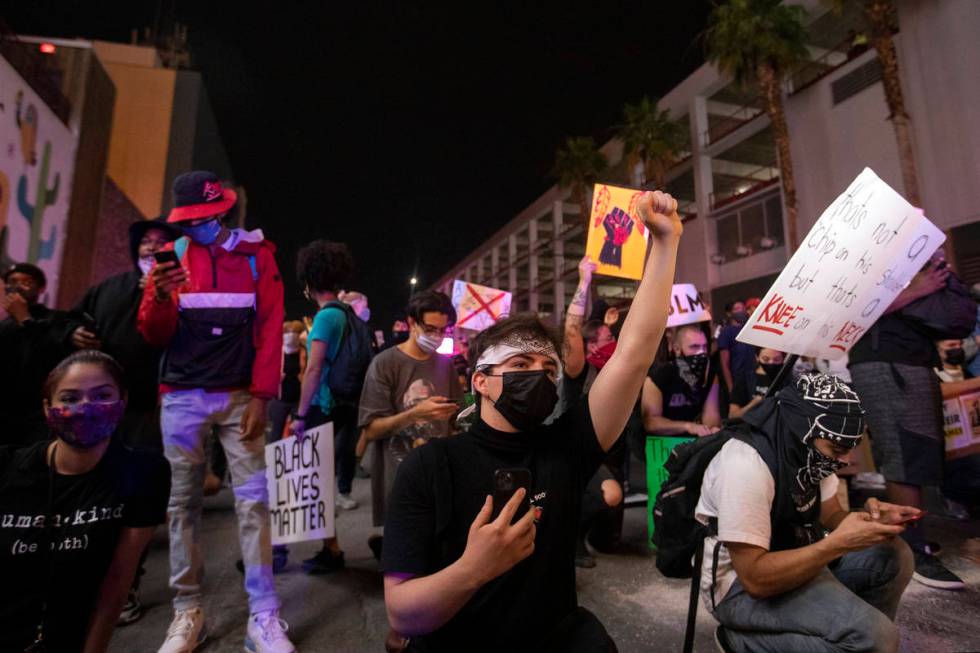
x=505, y=484
x=89, y=323
x=168, y=256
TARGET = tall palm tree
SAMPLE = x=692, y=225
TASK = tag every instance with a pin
x=650, y=137
x=761, y=41
x=880, y=15
x=578, y=164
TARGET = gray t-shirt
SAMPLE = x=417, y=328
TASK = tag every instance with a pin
x=394, y=383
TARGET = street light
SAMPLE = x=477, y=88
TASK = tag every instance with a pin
x=413, y=281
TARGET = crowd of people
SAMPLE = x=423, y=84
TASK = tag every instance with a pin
x=493, y=473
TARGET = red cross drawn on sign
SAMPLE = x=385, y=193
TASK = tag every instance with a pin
x=484, y=306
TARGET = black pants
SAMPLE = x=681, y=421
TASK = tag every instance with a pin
x=580, y=632
x=344, y=418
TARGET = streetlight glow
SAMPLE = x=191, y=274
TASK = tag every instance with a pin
x=413, y=281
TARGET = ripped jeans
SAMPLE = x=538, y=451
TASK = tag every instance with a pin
x=187, y=418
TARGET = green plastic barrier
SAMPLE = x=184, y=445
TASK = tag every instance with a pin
x=658, y=449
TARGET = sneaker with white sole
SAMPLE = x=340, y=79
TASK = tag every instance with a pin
x=186, y=632
x=931, y=572
x=345, y=501
x=267, y=634
x=132, y=610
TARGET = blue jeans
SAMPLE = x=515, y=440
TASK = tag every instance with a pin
x=187, y=418
x=850, y=608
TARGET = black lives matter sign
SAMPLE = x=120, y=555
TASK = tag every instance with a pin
x=300, y=478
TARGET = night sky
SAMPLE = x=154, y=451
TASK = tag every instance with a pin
x=411, y=131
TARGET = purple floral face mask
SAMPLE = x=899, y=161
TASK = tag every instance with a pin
x=87, y=424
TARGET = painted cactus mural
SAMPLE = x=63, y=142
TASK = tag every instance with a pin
x=37, y=160
x=37, y=249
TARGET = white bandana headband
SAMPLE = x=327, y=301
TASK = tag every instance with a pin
x=515, y=346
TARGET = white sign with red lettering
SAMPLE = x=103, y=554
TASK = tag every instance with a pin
x=857, y=258
x=686, y=306
x=479, y=307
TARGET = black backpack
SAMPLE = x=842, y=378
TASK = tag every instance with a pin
x=950, y=312
x=350, y=365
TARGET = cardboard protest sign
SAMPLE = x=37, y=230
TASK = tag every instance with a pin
x=686, y=306
x=955, y=425
x=617, y=236
x=479, y=307
x=859, y=255
x=969, y=441
x=299, y=474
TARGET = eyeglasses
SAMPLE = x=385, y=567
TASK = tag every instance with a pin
x=431, y=330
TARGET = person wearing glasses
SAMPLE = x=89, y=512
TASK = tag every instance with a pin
x=410, y=396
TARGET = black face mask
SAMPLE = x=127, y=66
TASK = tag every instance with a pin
x=697, y=363
x=398, y=337
x=955, y=356
x=527, y=398
x=771, y=369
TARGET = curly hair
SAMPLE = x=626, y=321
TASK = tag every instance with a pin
x=324, y=266
x=430, y=301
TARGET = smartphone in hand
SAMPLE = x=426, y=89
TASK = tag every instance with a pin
x=505, y=484
x=168, y=256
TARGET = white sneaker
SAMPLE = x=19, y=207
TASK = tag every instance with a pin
x=186, y=632
x=345, y=501
x=267, y=634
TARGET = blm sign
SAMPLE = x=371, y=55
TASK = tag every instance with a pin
x=299, y=473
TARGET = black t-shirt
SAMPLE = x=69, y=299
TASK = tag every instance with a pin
x=438, y=492
x=681, y=402
x=126, y=489
x=743, y=392
x=893, y=339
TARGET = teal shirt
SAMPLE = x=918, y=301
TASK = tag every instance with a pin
x=328, y=327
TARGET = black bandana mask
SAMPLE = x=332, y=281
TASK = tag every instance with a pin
x=696, y=364
x=816, y=406
x=527, y=398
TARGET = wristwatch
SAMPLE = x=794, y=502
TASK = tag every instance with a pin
x=297, y=416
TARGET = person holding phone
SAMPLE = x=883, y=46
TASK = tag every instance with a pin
x=218, y=318
x=770, y=576
x=105, y=319
x=455, y=578
x=33, y=339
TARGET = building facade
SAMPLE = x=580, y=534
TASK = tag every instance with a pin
x=727, y=179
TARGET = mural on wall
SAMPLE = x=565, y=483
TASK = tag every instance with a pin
x=37, y=154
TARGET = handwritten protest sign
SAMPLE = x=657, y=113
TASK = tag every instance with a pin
x=617, y=236
x=859, y=255
x=686, y=306
x=299, y=473
x=479, y=307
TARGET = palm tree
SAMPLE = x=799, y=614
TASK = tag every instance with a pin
x=578, y=164
x=880, y=15
x=761, y=41
x=650, y=137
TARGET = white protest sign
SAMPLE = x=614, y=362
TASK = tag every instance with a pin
x=686, y=306
x=479, y=307
x=299, y=473
x=859, y=255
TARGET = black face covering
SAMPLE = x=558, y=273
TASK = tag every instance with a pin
x=527, y=398
x=697, y=363
x=771, y=369
x=955, y=356
x=398, y=337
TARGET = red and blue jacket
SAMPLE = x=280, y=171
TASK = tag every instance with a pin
x=222, y=330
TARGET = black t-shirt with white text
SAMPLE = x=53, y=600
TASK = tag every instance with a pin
x=438, y=492
x=126, y=489
x=743, y=393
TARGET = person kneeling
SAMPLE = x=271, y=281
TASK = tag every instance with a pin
x=770, y=576
x=458, y=578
